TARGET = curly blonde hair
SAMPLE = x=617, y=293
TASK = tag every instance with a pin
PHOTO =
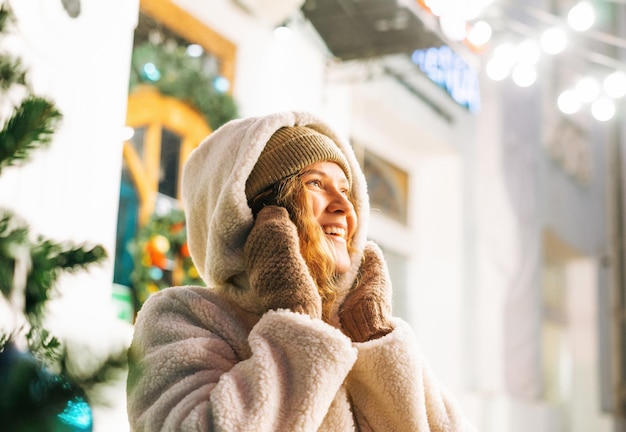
x=314, y=246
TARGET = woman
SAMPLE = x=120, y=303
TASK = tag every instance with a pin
x=295, y=331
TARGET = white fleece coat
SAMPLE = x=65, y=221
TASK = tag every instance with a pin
x=210, y=359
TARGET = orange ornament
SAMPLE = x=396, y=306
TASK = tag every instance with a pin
x=177, y=227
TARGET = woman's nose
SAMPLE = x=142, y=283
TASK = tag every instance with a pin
x=339, y=202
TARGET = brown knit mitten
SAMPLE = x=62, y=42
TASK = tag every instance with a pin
x=275, y=267
x=365, y=313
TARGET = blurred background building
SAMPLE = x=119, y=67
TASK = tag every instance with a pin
x=491, y=134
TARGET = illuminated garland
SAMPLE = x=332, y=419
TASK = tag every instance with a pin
x=174, y=73
x=161, y=256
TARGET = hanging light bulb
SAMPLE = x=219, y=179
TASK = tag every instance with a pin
x=194, y=50
x=221, y=84
x=524, y=75
x=505, y=52
x=479, y=34
x=588, y=89
x=603, y=109
x=151, y=72
x=473, y=8
x=582, y=16
x=497, y=69
x=453, y=27
x=528, y=52
x=615, y=84
x=436, y=6
x=553, y=41
x=569, y=102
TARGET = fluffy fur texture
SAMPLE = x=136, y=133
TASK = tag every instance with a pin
x=215, y=359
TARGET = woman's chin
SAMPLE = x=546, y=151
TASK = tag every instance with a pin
x=340, y=254
x=342, y=261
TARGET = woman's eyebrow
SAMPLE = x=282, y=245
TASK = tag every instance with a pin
x=314, y=171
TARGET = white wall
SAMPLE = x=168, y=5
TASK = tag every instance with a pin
x=584, y=392
x=273, y=73
x=497, y=260
x=494, y=241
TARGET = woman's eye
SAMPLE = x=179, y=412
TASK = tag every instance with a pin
x=315, y=183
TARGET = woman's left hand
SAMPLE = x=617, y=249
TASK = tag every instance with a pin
x=365, y=313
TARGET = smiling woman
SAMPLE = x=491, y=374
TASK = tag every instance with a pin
x=294, y=330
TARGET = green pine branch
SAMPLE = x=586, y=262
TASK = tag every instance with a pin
x=182, y=77
x=32, y=396
x=30, y=127
x=13, y=240
x=48, y=261
x=5, y=16
x=11, y=72
x=115, y=363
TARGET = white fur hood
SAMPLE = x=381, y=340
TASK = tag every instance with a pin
x=213, y=189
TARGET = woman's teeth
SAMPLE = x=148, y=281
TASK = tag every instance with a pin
x=335, y=231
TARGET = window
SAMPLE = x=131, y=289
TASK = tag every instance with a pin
x=165, y=131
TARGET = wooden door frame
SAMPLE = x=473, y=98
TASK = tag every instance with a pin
x=147, y=107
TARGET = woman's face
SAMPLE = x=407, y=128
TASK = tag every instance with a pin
x=328, y=191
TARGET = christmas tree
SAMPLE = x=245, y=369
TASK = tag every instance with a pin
x=37, y=390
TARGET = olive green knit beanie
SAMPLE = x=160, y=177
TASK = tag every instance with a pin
x=289, y=150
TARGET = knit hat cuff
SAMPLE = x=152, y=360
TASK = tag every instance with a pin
x=287, y=152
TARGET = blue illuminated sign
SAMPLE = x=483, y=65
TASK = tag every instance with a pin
x=448, y=70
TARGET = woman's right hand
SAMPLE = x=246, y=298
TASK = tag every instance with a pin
x=275, y=267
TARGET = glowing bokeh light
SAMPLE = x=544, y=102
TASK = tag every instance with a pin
x=436, y=7
x=453, y=27
x=77, y=416
x=615, y=84
x=569, y=102
x=221, y=84
x=524, y=75
x=528, y=52
x=553, y=40
x=194, y=50
x=151, y=72
x=587, y=89
x=497, y=69
x=479, y=34
x=582, y=16
x=505, y=52
x=603, y=109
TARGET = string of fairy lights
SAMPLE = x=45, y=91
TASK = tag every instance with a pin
x=466, y=21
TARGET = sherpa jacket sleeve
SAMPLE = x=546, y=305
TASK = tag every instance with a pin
x=393, y=389
x=195, y=367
